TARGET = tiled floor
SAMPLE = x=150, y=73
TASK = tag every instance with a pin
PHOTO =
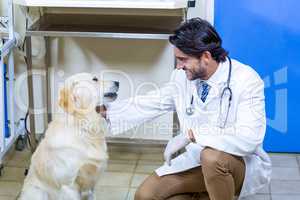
x=127, y=168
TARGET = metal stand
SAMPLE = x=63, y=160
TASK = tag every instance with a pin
x=30, y=93
x=95, y=26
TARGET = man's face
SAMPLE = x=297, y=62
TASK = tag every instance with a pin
x=194, y=67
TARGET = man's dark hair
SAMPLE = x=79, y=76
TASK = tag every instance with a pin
x=195, y=36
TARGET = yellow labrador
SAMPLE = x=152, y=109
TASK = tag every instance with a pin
x=68, y=161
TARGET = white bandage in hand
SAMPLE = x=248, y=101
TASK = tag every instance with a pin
x=174, y=145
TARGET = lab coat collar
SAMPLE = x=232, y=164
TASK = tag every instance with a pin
x=217, y=81
x=220, y=74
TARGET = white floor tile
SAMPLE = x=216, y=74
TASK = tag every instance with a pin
x=121, y=166
x=147, y=166
x=112, y=193
x=123, y=156
x=7, y=197
x=284, y=160
x=115, y=179
x=19, y=159
x=285, y=197
x=13, y=174
x=138, y=179
x=285, y=187
x=152, y=156
x=285, y=173
x=10, y=188
x=258, y=197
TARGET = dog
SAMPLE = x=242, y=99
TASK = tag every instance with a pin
x=69, y=160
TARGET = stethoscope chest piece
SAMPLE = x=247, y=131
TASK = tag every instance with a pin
x=190, y=110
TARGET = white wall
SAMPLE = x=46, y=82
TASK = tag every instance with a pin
x=142, y=60
x=203, y=9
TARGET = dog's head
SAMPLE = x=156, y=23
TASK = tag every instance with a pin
x=83, y=92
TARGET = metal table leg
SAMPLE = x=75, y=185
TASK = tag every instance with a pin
x=30, y=93
x=48, y=116
x=2, y=124
x=11, y=96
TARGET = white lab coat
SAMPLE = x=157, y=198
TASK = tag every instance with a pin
x=244, y=131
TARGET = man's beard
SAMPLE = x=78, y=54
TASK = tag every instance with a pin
x=199, y=73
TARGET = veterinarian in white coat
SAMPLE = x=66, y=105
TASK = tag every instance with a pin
x=206, y=118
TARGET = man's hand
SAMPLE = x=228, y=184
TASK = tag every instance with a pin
x=191, y=136
x=101, y=110
x=174, y=145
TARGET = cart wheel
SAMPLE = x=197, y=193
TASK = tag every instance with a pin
x=26, y=172
x=1, y=169
x=21, y=143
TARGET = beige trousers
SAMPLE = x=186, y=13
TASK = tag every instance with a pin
x=220, y=177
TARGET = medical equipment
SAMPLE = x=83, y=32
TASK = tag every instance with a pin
x=6, y=121
x=7, y=54
x=191, y=109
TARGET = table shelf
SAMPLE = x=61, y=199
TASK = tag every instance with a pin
x=138, y=4
x=105, y=26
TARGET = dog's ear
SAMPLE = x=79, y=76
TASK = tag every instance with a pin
x=65, y=100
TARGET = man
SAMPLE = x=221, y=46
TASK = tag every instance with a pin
x=221, y=109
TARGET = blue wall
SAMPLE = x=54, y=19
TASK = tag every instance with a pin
x=265, y=34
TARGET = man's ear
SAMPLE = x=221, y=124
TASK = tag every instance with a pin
x=206, y=57
x=65, y=100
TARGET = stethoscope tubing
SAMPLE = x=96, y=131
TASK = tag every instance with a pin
x=190, y=110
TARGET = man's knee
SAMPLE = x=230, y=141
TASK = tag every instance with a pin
x=143, y=194
x=210, y=157
x=213, y=163
x=147, y=190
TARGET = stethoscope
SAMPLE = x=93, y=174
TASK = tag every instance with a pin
x=190, y=110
